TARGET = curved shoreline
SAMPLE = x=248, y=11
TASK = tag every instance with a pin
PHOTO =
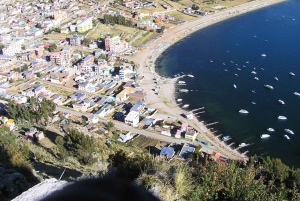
x=166, y=102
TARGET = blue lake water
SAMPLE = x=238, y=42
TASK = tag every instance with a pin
x=274, y=31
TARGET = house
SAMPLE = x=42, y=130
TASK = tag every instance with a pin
x=86, y=25
x=132, y=118
x=124, y=94
x=77, y=96
x=119, y=116
x=138, y=107
x=191, y=135
x=103, y=130
x=186, y=151
x=31, y=132
x=125, y=137
x=9, y=123
x=39, y=135
x=167, y=152
x=105, y=110
x=93, y=118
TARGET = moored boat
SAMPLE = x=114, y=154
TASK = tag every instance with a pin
x=253, y=103
x=263, y=55
x=268, y=86
x=253, y=91
x=281, y=102
x=183, y=90
x=275, y=78
x=253, y=72
x=179, y=99
x=190, y=75
x=289, y=131
x=264, y=135
x=296, y=93
x=271, y=129
x=282, y=118
x=256, y=78
x=185, y=106
x=242, y=144
x=225, y=138
x=234, y=86
x=181, y=82
x=286, y=136
x=292, y=74
x=243, y=111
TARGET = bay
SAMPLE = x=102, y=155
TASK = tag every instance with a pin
x=239, y=43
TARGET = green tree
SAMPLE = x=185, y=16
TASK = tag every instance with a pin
x=38, y=74
x=110, y=125
x=38, y=25
x=195, y=7
x=52, y=47
x=23, y=47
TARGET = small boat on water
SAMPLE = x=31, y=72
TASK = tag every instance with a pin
x=286, y=136
x=289, y=131
x=183, y=90
x=268, y=86
x=253, y=72
x=247, y=62
x=234, y=86
x=243, y=111
x=242, y=144
x=263, y=55
x=292, y=74
x=190, y=75
x=264, y=135
x=236, y=74
x=253, y=103
x=244, y=66
x=226, y=69
x=275, y=78
x=185, y=106
x=296, y=93
x=224, y=64
x=181, y=82
x=281, y=102
x=238, y=68
x=211, y=61
x=236, y=64
x=256, y=78
x=179, y=99
x=282, y=118
x=271, y=129
x=253, y=91
x=262, y=68
x=225, y=138
x=231, y=61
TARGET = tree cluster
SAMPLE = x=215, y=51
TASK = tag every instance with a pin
x=33, y=112
x=261, y=179
x=195, y=7
x=51, y=48
x=117, y=19
x=81, y=146
x=22, y=69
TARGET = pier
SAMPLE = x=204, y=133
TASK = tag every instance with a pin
x=201, y=108
x=231, y=144
x=245, y=152
x=199, y=112
x=211, y=123
x=219, y=135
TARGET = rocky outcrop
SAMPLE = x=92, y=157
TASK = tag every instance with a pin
x=12, y=183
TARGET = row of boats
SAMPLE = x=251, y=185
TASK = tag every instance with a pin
x=243, y=111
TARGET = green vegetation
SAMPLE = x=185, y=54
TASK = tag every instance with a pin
x=34, y=112
x=119, y=19
x=51, y=48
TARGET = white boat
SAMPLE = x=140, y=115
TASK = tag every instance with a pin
x=253, y=91
x=296, y=93
x=238, y=68
x=256, y=78
x=224, y=64
x=183, y=90
x=242, y=144
x=190, y=75
x=281, y=102
x=234, y=86
x=275, y=78
x=289, y=131
x=292, y=74
x=181, y=82
x=225, y=138
x=262, y=68
x=268, y=86
x=263, y=55
x=236, y=74
x=286, y=136
x=179, y=99
x=253, y=72
x=247, y=62
x=243, y=111
x=265, y=136
x=253, y=102
x=185, y=106
x=226, y=69
x=271, y=129
x=282, y=118
x=211, y=61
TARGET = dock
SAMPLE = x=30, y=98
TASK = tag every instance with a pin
x=212, y=123
x=199, y=112
x=201, y=108
x=245, y=152
x=219, y=135
x=231, y=144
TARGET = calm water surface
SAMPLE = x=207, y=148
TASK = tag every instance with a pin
x=239, y=43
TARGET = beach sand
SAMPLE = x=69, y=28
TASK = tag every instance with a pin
x=165, y=101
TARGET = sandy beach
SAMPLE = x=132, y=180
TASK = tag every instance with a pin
x=165, y=102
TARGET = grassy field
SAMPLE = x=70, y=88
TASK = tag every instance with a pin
x=143, y=142
x=180, y=15
x=144, y=38
x=59, y=90
x=58, y=36
x=126, y=33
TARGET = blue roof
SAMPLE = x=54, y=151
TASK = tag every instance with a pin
x=169, y=151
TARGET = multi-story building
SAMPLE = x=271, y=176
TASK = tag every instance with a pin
x=56, y=58
x=115, y=45
x=66, y=54
x=12, y=47
x=76, y=40
x=86, y=25
x=132, y=118
x=87, y=61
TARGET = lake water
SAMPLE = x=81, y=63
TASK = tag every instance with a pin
x=239, y=43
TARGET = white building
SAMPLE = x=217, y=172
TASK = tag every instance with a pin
x=132, y=119
x=12, y=47
x=124, y=138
